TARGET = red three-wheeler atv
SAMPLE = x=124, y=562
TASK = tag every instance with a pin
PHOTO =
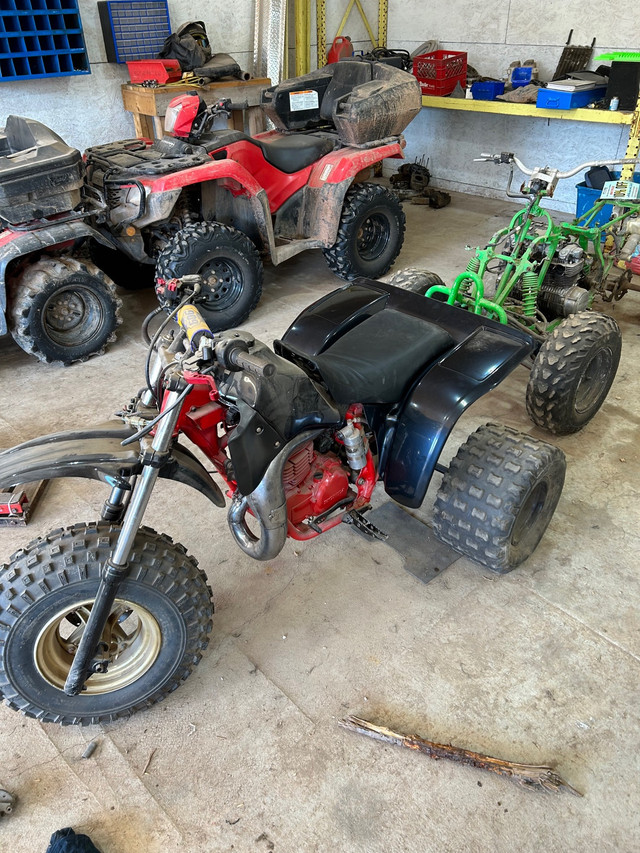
x=100, y=620
x=211, y=202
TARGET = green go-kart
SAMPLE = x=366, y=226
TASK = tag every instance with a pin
x=541, y=276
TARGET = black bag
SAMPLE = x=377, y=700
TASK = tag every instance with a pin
x=185, y=49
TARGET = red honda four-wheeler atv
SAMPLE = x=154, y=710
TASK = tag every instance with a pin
x=210, y=202
x=58, y=306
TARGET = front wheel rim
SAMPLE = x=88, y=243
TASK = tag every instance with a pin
x=130, y=642
x=223, y=282
x=72, y=316
x=593, y=380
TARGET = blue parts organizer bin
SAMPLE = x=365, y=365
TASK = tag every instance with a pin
x=134, y=29
x=587, y=197
x=487, y=91
x=553, y=99
x=41, y=38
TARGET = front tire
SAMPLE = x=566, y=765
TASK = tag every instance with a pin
x=228, y=262
x=155, y=636
x=370, y=234
x=573, y=372
x=62, y=310
x=498, y=496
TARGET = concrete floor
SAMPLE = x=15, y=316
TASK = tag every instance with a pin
x=540, y=666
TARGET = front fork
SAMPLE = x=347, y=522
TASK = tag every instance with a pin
x=116, y=568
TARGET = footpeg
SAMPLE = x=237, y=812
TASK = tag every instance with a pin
x=363, y=525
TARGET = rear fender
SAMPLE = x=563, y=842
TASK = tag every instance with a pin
x=430, y=412
x=328, y=184
x=15, y=243
x=97, y=454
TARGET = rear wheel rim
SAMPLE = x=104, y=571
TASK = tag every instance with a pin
x=130, y=642
x=593, y=380
x=529, y=513
x=224, y=283
x=72, y=316
x=373, y=236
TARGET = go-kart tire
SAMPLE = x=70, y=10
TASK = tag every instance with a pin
x=370, y=234
x=128, y=274
x=573, y=372
x=46, y=590
x=415, y=280
x=63, y=310
x=498, y=496
x=229, y=264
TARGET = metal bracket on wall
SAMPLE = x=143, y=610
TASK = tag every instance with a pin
x=321, y=25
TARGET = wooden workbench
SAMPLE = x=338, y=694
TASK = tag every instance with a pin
x=149, y=105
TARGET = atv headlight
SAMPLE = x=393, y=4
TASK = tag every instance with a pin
x=171, y=117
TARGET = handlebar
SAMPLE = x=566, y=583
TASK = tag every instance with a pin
x=508, y=158
x=231, y=351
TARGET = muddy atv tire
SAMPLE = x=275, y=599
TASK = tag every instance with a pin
x=63, y=310
x=573, y=372
x=229, y=264
x=370, y=234
x=498, y=496
x=128, y=274
x=156, y=634
x=415, y=280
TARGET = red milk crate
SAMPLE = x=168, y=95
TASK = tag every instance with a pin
x=438, y=72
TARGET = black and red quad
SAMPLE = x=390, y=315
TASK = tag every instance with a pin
x=212, y=202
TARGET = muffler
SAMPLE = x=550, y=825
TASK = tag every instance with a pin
x=268, y=504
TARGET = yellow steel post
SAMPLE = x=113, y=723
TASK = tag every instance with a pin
x=383, y=17
x=321, y=31
x=633, y=145
x=301, y=13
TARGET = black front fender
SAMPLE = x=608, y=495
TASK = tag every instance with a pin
x=97, y=454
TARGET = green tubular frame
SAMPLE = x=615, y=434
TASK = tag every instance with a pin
x=468, y=288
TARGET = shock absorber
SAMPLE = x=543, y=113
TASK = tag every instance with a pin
x=353, y=439
x=529, y=293
x=473, y=265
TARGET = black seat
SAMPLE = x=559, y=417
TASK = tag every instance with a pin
x=292, y=152
x=376, y=361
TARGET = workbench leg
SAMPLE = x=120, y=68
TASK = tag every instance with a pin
x=158, y=127
x=143, y=125
x=237, y=120
x=255, y=120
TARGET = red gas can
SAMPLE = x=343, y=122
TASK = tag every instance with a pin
x=340, y=48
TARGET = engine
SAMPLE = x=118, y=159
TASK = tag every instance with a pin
x=560, y=294
x=313, y=483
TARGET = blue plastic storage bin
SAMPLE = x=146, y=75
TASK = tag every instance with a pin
x=487, y=91
x=552, y=99
x=587, y=197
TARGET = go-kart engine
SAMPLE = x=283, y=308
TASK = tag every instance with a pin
x=560, y=294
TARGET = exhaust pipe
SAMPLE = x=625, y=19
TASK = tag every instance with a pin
x=268, y=504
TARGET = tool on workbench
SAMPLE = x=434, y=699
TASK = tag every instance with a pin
x=573, y=58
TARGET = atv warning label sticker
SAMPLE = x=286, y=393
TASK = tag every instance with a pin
x=305, y=100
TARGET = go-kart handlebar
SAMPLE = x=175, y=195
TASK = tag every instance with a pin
x=509, y=158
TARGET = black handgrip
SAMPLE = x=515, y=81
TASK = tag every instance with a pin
x=252, y=363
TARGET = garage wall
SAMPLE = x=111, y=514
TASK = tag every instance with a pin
x=87, y=110
x=494, y=33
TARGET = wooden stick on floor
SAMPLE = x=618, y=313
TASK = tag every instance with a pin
x=528, y=775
